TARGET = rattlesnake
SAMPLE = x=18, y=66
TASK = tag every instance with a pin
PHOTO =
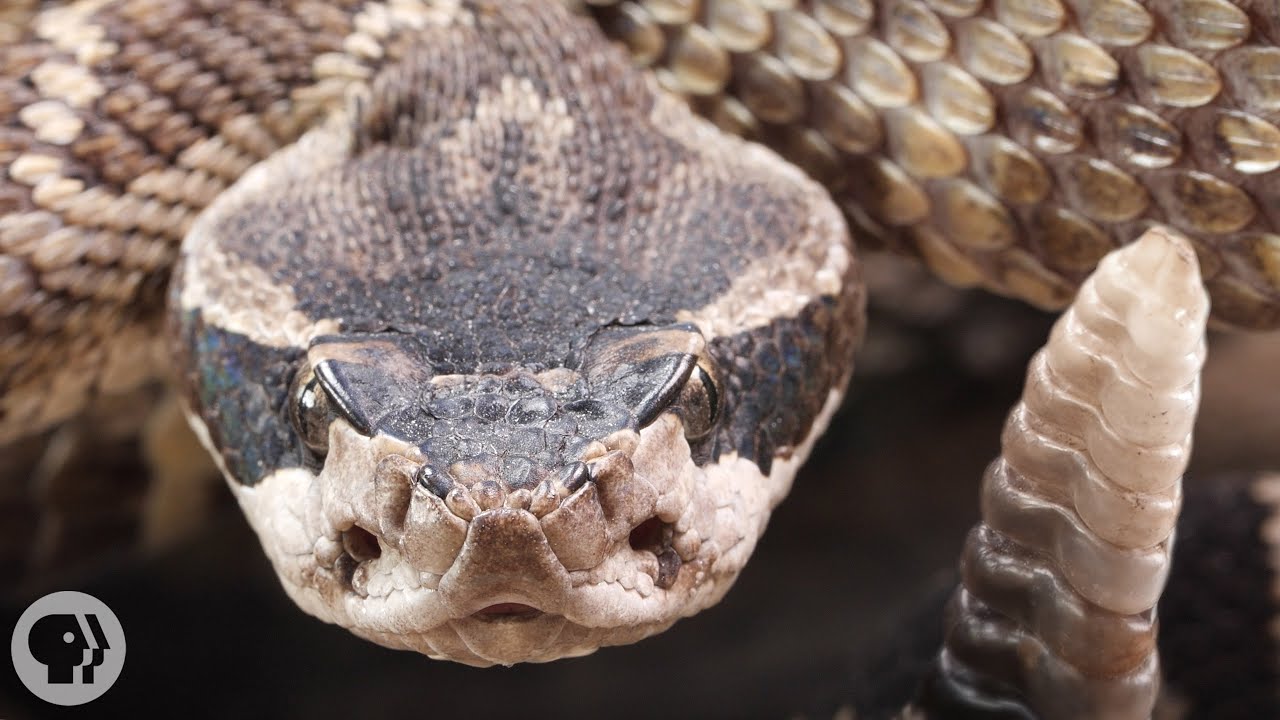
x=464, y=248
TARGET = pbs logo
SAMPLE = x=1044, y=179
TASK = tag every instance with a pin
x=68, y=648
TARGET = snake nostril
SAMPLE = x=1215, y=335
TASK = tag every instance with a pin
x=361, y=544
x=655, y=536
x=648, y=535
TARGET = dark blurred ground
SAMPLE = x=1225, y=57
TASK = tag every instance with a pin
x=869, y=534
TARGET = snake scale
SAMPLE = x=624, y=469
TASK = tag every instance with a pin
x=507, y=355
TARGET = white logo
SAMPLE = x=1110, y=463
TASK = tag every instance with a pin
x=68, y=648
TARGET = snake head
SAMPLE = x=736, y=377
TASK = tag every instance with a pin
x=515, y=514
x=511, y=514
x=518, y=488
x=494, y=485
x=519, y=372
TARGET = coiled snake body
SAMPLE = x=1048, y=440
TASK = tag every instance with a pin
x=505, y=354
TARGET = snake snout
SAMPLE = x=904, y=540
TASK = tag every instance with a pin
x=611, y=541
x=504, y=553
x=505, y=560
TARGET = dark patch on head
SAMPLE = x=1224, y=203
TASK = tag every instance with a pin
x=777, y=377
x=238, y=388
x=495, y=295
x=505, y=251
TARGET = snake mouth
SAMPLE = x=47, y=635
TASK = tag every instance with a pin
x=507, y=611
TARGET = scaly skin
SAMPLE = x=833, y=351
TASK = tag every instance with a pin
x=1008, y=143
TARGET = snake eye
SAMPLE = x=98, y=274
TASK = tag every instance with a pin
x=699, y=401
x=310, y=410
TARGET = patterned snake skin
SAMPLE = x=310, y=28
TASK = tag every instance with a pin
x=1010, y=145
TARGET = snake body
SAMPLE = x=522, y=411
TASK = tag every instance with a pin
x=1010, y=144
x=507, y=355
